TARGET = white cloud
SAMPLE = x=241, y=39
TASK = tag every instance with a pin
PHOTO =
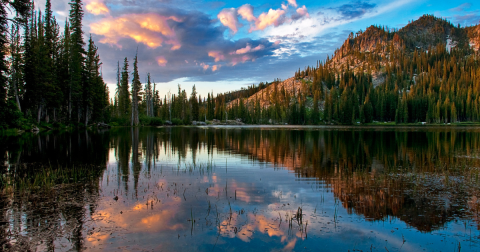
x=228, y=17
x=293, y=3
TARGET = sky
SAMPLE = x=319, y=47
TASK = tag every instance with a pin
x=221, y=46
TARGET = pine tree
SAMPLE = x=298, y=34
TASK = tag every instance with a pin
x=77, y=59
x=194, y=104
x=124, y=94
x=21, y=8
x=16, y=86
x=136, y=94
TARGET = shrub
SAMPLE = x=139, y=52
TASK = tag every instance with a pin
x=176, y=121
x=10, y=116
x=155, y=121
x=120, y=121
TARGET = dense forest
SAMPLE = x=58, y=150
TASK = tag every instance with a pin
x=427, y=71
x=49, y=75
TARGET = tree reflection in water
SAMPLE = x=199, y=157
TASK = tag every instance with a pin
x=424, y=177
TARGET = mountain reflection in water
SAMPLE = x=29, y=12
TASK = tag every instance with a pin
x=243, y=188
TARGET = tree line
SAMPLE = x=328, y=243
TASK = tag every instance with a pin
x=49, y=74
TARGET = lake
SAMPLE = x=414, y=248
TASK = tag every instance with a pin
x=242, y=188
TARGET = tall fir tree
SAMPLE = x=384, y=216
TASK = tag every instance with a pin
x=136, y=96
x=77, y=60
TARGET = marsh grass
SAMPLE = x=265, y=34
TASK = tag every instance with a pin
x=29, y=177
x=191, y=168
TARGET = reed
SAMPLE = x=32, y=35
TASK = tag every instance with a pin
x=47, y=176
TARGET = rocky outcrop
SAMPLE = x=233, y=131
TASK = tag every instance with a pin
x=291, y=86
x=199, y=123
x=101, y=125
x=227, y=122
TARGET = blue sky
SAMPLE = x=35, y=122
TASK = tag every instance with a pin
x=225, y=45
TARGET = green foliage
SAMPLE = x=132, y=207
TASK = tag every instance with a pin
x=150, y=121
x=176, y=121
x=120, y=120
x=11, y=117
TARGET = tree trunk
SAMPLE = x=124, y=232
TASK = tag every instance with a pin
x=47, y=118
x=70, y=103
x=86, y=116
x=79, y=114
x=16, y=91
x=39, y=113
x=131, y=119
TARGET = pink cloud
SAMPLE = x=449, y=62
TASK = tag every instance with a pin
x=237, y=60
x=215, y=67
x=246, y=12
x=150, y=29
x=244, y=50
x=293, y=3
x=97, y=8
x=303, y=11
x=162, y=61
x=216, y=55
x=272, y=17
x=204, y=66
x=284, y=6
x=248, y=49
x=259, y=47
x=228, y=17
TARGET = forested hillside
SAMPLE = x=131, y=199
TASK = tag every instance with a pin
x=427, y=71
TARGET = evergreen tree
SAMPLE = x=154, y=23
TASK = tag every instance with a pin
x=194, y=104
x=136, y=93
x=77, y=60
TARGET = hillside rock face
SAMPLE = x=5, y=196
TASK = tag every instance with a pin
x=265, y=96
x=474, y=37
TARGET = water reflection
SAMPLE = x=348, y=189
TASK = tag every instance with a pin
x=234, y=188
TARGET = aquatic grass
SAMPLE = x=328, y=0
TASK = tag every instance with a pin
x=191, y=168
x=47, y=177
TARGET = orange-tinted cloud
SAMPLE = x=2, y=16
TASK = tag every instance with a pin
x=216, y=55
x=248, y=49
x=228, y=17
x=246, y=12
x=242, y=59
x=162, y=61
x=204, y=66
x=150, y=29
x=215, y=67
x=303, y=11
x=272, y=17
x=97, y=8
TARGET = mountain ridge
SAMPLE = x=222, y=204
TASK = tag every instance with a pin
x=370, y=51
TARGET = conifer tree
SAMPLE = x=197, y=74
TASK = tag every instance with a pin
x=136, y=93
x=77, y=59
x=194, y=104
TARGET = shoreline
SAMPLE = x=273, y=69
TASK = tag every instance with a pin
x=268, y=126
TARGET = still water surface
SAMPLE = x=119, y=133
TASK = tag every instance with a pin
x=239, y=189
